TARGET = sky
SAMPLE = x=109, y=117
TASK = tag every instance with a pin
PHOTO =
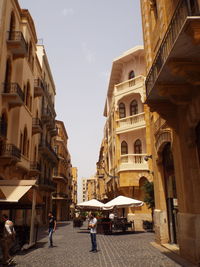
x=81, y=38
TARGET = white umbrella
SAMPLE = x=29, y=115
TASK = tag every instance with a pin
x=123, y=202
x=91, y=204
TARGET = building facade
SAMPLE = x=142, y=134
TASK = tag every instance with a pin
x=91, y=188
x=84, y=189
x=125, y=144
x=27, y=120
x=171, y=38
x=62, y=176
x=74, y=191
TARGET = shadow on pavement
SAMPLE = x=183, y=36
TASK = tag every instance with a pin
x=173, y=256
x=61, y=224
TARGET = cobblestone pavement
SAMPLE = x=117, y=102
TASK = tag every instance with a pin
x=71, y=248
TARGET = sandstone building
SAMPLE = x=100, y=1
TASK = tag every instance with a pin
x=171, y=38
x=125, y=144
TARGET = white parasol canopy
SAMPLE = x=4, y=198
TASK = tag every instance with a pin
x=123, y=202
x=90, y=204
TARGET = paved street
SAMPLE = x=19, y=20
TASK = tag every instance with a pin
x=72, y=249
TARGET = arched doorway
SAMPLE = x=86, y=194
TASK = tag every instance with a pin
x=170, y=191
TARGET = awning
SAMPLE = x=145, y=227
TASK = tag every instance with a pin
x=13, y=193
x=90, y=204
x=14, y=190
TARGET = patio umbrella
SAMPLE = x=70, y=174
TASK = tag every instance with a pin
x=122, y=202
x=91, y=204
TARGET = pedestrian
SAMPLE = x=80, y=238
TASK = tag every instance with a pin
x=93, y=232
x=52, y=228
x=7, y=239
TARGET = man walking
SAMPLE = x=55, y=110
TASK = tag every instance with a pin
x=93, y=232
x=52, y=228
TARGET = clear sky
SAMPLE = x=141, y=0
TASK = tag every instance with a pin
x=81, y=38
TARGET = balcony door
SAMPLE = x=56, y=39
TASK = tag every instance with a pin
x=170, y=192
x=8, y=74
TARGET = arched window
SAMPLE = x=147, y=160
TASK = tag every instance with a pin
x=133, y=107
x=198, y=139
x=138, y=147
x=24, y=148
x=131, y=75
x=124, y=148
x=122, y=110
x=3, y=126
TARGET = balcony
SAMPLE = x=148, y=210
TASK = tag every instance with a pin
x=36, y=126
x=35, y=168
x=60, y=196
x=46, y=150
x=17, y=44
x=13, y=94
x=38, y=87
x=175, y=70
x=9, y=154
x=129, y=85
x=46, y=184
x=131, y=123
x=46, y=115
x=60, y=177
x=3, y=129
x=133, y=162
x=54, y=132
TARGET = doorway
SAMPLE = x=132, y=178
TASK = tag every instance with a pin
x=170, y=192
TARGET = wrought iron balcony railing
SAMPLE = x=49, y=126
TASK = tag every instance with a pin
x=44, y=143
x=35, y=166
x=13, y=88
x=10, y=151
x=184, y=9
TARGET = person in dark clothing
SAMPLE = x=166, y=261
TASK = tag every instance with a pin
x=52, y=228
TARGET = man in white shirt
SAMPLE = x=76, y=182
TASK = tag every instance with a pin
x=8, y=239
x=93, y=232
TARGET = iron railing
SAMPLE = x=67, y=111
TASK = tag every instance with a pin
x=10, y=151
x=13, y=88
x=46, y=181
x=35, y=166
x=184, y=9
x=44, y=143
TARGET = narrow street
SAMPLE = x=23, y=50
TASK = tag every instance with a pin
x=72, y=245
